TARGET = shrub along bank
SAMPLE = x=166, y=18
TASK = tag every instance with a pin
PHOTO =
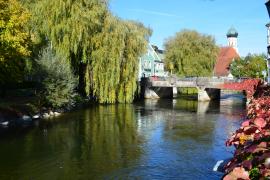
x=252, y=140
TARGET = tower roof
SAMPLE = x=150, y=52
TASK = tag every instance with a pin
x=232, y=32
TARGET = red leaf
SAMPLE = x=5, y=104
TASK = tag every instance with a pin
x=257, y=136
x=266, y=172
x=237, y=173
x=260, y=122
x=263, y=145
x=251, y=149
x=264, y=156
x=245, y=123
x=250, y=130
x=247, y=164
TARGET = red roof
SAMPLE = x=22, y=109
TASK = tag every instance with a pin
x=225, y=58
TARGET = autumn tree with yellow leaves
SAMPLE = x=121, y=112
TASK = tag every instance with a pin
x=14, y=42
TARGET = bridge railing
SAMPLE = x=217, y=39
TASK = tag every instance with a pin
x=196, y=79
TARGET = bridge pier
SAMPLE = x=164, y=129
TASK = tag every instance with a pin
x=203, y=95
x=207, y=94
x=156, y=93
x=174, y=92
x=150, y=92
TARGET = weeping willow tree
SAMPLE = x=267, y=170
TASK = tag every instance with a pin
x=68, y=27
x=135, y=46
x=101, y=49
x=113, y=71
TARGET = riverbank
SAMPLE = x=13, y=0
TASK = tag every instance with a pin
x=16, y=111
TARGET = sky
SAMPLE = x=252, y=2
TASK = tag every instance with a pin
x=212, y=17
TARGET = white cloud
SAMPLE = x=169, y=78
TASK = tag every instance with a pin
x=158, y=13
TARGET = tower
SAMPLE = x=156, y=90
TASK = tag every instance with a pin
x=232, y=36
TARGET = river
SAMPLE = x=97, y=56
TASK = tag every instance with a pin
x=154, y=139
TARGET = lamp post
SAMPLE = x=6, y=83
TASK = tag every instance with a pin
x=268, y=42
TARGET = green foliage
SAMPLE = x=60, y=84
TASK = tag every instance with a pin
x=102, y=50
x=188, y=91
x=189, y=53
x=99, y=48
x=14, y=41
x=116, y=60
x=12, y=72
x=237, y=67
x=253, y=66
x=57, y=78
x=254, y=173
x=69, y=25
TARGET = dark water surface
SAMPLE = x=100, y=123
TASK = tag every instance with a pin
x=164, y=139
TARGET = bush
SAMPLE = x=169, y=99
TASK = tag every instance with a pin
x=252, y=140
x=57, y=79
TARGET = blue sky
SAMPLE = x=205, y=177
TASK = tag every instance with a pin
x=213, y=17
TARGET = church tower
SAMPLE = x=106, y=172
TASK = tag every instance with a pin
x=232, y=36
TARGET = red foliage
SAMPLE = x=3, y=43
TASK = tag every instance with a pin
x=237, y=173
x=249, y=86
x=252, y=140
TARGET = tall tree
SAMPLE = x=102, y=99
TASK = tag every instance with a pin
x=14, y=41
x=252, y=65
x=190, y=53
x=102, y=49
x=111, y=76
x=135, y=46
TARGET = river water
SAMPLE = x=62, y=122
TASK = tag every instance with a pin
x=155, y=139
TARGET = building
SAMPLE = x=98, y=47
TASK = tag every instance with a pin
x=159, y=52
x=232, y=36
x=151, y=63
x=227, y=55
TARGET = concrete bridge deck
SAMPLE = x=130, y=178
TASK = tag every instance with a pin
x=195, y=82
x=166, y=87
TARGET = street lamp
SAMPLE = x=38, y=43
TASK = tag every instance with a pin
x=267, y=4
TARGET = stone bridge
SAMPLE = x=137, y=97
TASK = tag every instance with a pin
x=166, y=87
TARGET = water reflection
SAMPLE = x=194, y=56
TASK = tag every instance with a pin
x=202, y=107
x=87, y=143
x=157, y=139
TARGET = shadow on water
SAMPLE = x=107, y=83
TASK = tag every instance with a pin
x=153, y=139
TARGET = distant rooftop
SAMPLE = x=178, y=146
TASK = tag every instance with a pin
x=225, y=58
x=159, y=52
